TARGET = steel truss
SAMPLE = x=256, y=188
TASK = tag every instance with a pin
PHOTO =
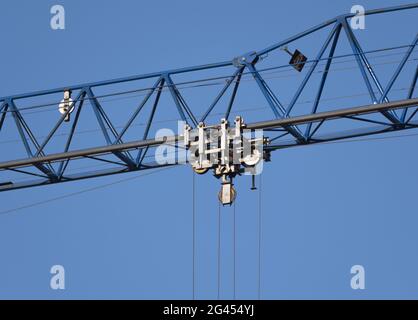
x=286, y=129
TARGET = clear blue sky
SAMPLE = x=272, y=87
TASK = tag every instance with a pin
x=324, y=208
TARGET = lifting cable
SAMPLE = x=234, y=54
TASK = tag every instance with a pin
x=234, y=238
x=219, y=250
x=234, y=254
x=194, y=236
x=259, y=237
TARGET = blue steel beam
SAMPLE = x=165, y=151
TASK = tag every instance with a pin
x=399, y=69
x=22, y=127
x=63, y=165
x=142, y=154
x=119, y=80
x=220, y=95
x=336, y=28
x=41, y=148
x=241, y=66
x=413, y=85
x=3, y=112
x=330, y=22
x=180, y=102
x=105, y=123
x=274, y=103
x=323, y=79
x=234, y=93
x=204, y=66
x=282, y=123
x=410, y=95
x=361, y=58
x=159, y=82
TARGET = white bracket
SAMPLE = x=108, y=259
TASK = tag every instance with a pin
x=228, y=151
x=66, y=104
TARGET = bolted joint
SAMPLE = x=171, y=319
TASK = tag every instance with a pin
x=246, y=59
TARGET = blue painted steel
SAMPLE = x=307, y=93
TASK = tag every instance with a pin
x=57, y=125
x=242, y=65
x=63, y=165
x=336, y=27
x=3, y=110
x=399, y=69
x=22, y=127
x=234, y=93
x=323, y=80
x=274, y=103
x=142, y=154
x=410, y=94
x=179, y=101
x=366, y=62
x=359, y=54
x=100, y=115
x=220, y=95
x=160, y=82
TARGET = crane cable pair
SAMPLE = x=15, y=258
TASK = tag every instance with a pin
x=219, y=244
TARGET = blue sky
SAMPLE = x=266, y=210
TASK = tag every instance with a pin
x=324, y=208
